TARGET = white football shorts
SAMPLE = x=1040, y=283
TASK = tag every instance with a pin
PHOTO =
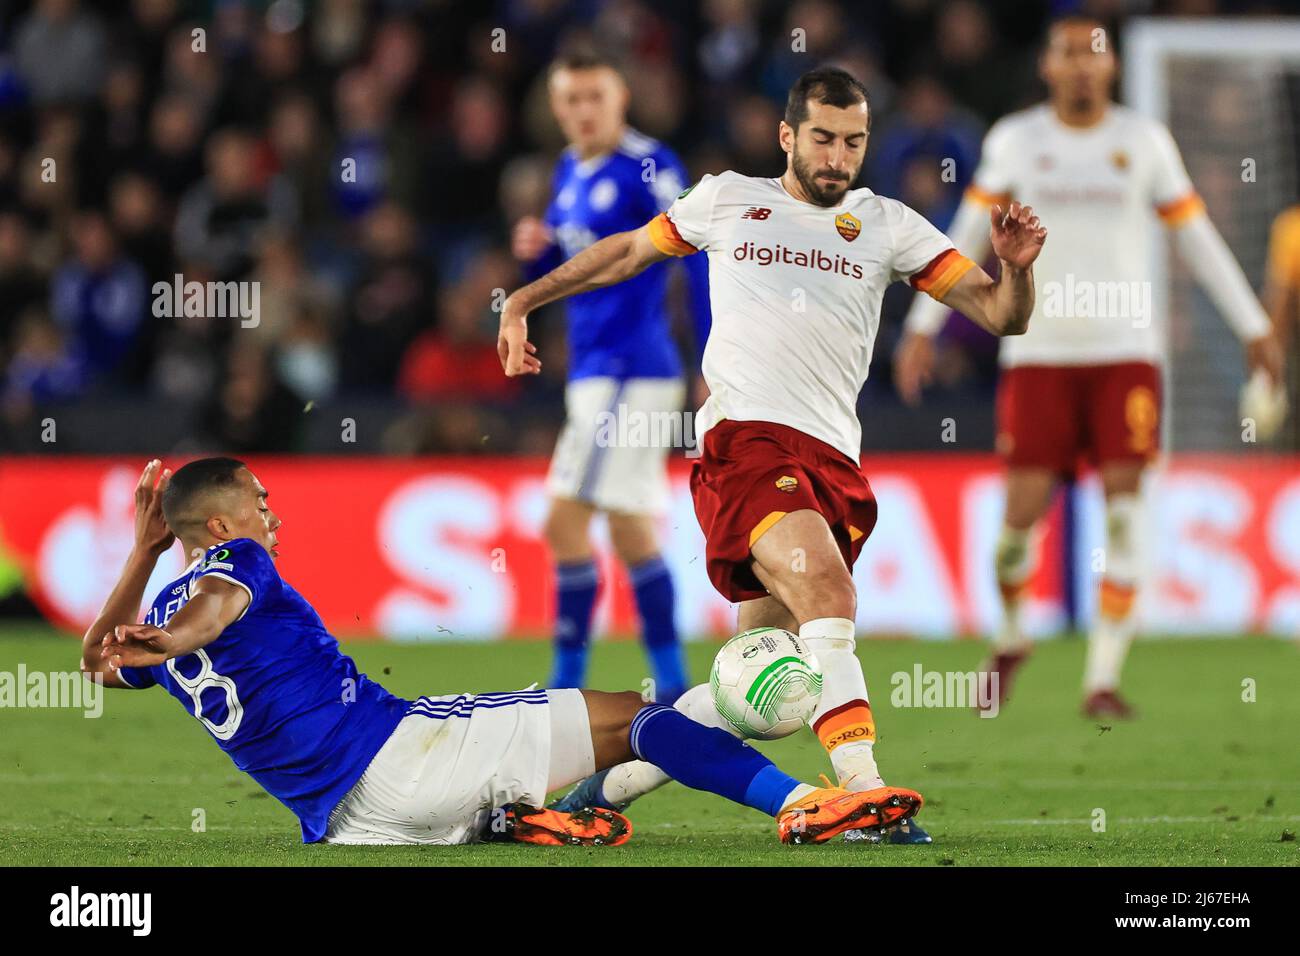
x=613, y=450
x=453, y=760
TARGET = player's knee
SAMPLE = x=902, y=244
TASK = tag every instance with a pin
x=841, y=595
x=828, y=591
x=624, y=706
x=632, y=538
x=566, y=532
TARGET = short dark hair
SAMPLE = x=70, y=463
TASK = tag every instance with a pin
x=826, y=84
x=1083, y=19
x=194, y=479
x=582, y=58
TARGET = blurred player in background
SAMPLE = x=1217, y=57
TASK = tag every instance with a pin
x=1083, y=382
x=798, y=267
x=623, y=362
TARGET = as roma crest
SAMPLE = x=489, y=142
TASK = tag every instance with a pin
x=848, y=226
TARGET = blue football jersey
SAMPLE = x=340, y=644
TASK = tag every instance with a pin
x=621, y=331
x=274, y=690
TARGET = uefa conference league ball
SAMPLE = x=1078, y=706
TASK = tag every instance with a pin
x=766, y=683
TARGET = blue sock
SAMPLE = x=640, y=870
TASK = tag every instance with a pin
x=576, y=585
x=654, y=602
x=706, y=758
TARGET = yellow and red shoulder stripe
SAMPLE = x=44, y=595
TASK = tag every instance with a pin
x=986, y=198
x=666, y=237
x=1181, y=210
x=942, y=273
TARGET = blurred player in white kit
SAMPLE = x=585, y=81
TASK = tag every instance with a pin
x=1083, y=382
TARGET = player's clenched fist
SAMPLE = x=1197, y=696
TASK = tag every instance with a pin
x=518, y=355
x=1017, y=234
x=135, y=645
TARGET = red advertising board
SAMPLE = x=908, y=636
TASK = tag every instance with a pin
x=431, y=549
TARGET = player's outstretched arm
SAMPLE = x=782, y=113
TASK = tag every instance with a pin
x=1210, y=260
x=1003, y=306
x=213, y=606
x=607, y=262
x=152, y=539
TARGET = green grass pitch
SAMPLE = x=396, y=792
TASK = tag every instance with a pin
x=1201, y=778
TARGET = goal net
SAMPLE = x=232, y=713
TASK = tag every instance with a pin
x=1230, y=93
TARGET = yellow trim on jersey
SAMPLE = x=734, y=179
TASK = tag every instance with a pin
x=666, y=237
x=764, y=526
x=937, y=279
x=1284, y=249
x=985, y=198
x=1180, y=211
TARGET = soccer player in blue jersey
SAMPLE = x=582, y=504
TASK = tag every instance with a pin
x=623, y=367
x=246, y=655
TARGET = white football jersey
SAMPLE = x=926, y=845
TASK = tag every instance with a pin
x=1095, y=190
x=795, y=290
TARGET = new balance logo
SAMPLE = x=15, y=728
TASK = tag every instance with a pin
x=756, y=212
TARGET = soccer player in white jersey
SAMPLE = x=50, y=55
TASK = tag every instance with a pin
x=797, y=268
x=1083, y=382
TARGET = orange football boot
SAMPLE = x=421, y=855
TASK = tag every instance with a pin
x=591, y=826
x=829, y=811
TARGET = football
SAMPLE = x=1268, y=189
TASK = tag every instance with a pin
x=766, y=683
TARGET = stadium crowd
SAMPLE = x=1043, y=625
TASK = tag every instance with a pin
x=142, y=139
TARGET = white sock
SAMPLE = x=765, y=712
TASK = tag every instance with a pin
x=1014, y=561
x=1112, y=630
x=798, y=793
x=1108, y=645
x=843, y=720
x=636, y=778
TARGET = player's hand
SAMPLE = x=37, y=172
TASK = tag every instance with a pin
x=1265, y=354
x=913, y=366
x=1017, y=234
x=518, y=355
x=152, y=536
x=135, y=645
x=529, y=239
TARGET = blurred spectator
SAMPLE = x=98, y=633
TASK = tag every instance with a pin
x=140, y=220
x=222, y=219
x=21, y=284
x=99, y=299
x=392, y=300
x=926, y=153
x=374, y=160
x=305, y=359
x=43, y=370
x=251, y=409
x=458, y=358
x=174, y=156
x=729, y=48
x=298, y=144
x=60, y=51
x=469, y=159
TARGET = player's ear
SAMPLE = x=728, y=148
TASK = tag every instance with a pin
x=218, y=528
x=785, y=134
